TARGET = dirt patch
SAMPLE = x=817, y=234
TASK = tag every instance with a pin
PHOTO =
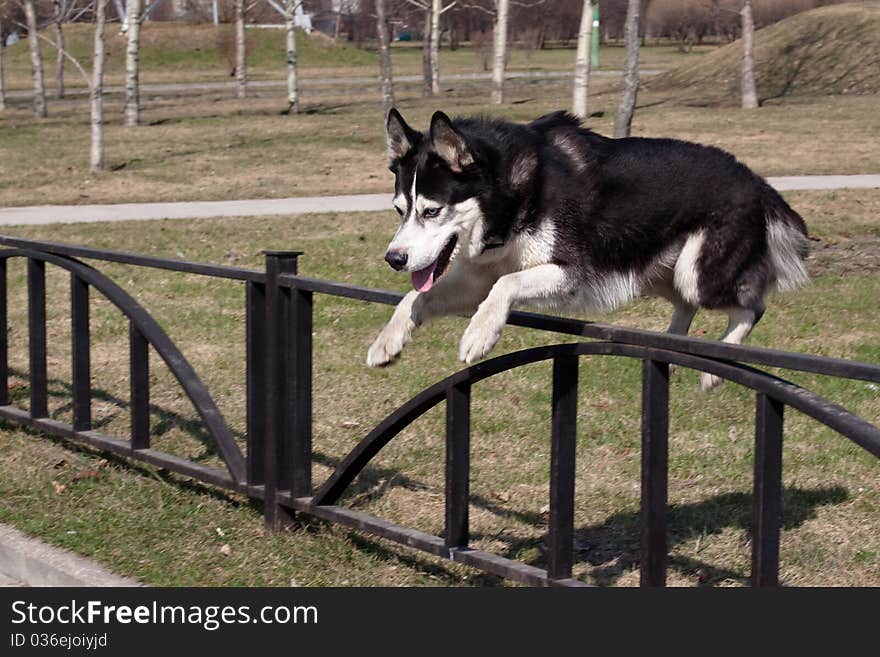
x=844, y=256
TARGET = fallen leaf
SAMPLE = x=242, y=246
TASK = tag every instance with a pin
x=103, y=463
x=59, y=488
x=545, y=510
x=226, y=550
x=86, y=474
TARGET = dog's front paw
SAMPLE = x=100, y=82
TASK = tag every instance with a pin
x=708, y=382
x=387, y=346
x=481, y=336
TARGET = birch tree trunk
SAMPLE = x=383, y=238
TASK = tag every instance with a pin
x=427, y=88
x=132, y=64
x=749, y=91
x=623, y=120
x=2, y=76
x=580, y=99
x=500, y=49
x=292, y=84
x=384, y=58
x=436, y=7
x=59, y=58
x=240, y=49
x=97, y=89
x=36, y=60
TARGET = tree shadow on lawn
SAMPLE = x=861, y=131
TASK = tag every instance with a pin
x=612, y=547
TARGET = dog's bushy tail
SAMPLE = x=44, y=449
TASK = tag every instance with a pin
x=787, y=242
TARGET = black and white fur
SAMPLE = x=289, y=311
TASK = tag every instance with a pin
x=552, y=215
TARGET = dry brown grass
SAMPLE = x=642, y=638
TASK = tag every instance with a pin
x=214, y=148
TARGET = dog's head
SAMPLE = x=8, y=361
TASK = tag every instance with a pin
x=436, y=192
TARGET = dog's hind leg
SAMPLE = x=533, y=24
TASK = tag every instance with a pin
x=682, y=317
x=740, y=323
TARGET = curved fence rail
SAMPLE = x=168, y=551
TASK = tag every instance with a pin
x=277, y=464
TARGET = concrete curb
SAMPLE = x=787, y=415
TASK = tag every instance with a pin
x=33, y=563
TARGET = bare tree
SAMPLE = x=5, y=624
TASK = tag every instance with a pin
x=427, y=88
x=97, y=89
x=290, y=48
x=749, y=91
x=132, y=63
x=36, y=60
x=288, y=12
x=499, y=57
x=436, y=9
x=582, y=62
x=384, y=57
x=623, y=120
x=2, y=76
x=431, y=42
x=59, y=40
x=240, y=48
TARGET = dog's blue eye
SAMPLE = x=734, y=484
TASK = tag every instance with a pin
x=430, y=213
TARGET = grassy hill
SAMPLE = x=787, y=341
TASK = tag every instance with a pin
x=830, y=50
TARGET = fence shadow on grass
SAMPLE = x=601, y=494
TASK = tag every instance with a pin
x=612, y=547
x=163, y=421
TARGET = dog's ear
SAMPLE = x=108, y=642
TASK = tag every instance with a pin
x=449, y=144
x=400, y=137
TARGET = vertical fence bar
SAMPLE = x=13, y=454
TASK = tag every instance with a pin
x=278, y=406
x=767, y=491
x=139, y=368
x=4, y=338
x=296, y=462
x=458, y=455
x=81, y=356
x=37, y=337
x=655, y=465
x=560, y=538
x=256, y=381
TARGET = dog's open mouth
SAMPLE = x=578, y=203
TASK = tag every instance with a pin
x=424, y=279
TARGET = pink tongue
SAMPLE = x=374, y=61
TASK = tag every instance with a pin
x=423, y=279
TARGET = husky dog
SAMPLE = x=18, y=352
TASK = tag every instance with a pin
x=552, y=215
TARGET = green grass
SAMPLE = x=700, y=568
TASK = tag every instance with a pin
x=158, y=527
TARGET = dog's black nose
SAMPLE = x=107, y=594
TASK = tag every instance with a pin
x=397, y=259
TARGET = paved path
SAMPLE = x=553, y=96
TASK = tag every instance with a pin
x=49, y=214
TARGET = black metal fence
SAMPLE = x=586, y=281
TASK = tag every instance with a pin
x=276, y=466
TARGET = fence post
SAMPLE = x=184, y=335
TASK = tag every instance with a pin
x=255, y=331
x=458, y=446
x=36, y=275
x=560, y=529
x=767, y=491
x=287, y=435
x=655, y=458
x=4, y=338
x=81, y=354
